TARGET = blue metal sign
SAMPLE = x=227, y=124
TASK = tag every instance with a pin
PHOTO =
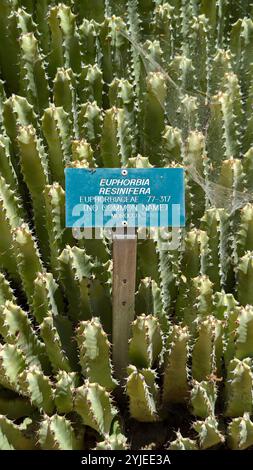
x=131, y=197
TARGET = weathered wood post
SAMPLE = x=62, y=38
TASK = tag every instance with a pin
x=123, y=298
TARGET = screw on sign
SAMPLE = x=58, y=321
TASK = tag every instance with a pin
x=118, y=202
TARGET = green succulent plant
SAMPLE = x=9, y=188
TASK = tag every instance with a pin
x=133, y=83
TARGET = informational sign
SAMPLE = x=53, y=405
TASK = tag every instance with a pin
x=125, y=197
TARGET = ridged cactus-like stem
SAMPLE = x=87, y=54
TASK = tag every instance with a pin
x=183, y=443
x=90, y=121
x=240, y=433
x=16, y=328
x=149, y=300
x=6, y=292
x=142, y=392
x=46, y=297
x=239, y=388
x=57, y=433
x=33, y=79
x=208, y=433
x=6, y=166
x=28, y=258
x=64, y=40
x=216, y=224
x=54, y=346
x=172, y=145
x=175, y=383
x=194, y=255
x=244, y=279
x=154, y=112
x=35, y=171
x=38, y=388
x=10, y=218
x=244, y=333
x=207, y=349
x=196, y=159
x=162, y=26
x=146, y=342
x=88, y=41
x=57, y=131
x=113, y=442
x=15, y=408
x=94, y=350
x=203, y=398
x=75, y=274
x=115, y=139
x=64, y=391
x=245, y=232
x=12, y=364
x=194, y=300
x=11, y=436
x=65, y=96
x=94, y=404
x=91, y=84
x=59, y=236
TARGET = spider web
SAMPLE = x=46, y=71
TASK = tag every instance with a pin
x=218, y=196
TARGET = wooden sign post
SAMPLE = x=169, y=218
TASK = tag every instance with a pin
x=112, y=198
x=123, y=298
